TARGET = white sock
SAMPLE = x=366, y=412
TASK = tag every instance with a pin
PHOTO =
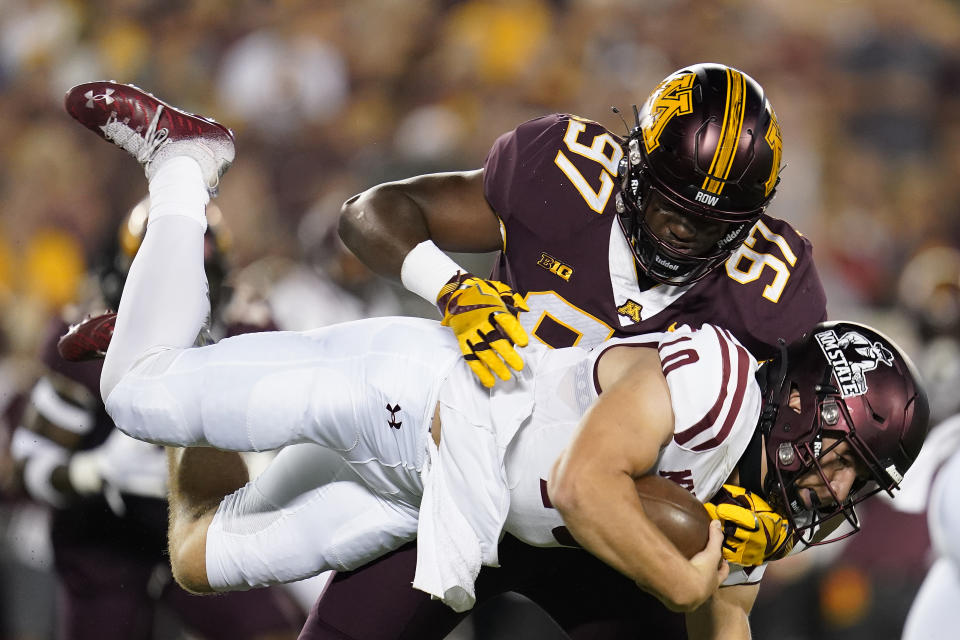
x=178, y=189
x=164, y=302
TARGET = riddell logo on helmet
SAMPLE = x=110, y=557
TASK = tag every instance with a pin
x=851, y=355
x=706, y=198
x=666, y=263
x=731, y=236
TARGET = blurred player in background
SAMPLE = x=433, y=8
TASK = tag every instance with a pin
x=327, y=285
x=836, y=418
x=604, y=237
x=929, y=290
x=934, y=614
x=108, y=491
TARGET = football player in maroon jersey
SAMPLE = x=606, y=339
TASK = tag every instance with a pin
x=601, y=236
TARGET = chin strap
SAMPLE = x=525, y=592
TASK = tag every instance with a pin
x=749, y=466
x=771, y=377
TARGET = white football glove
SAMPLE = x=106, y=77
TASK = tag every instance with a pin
x=121, y=465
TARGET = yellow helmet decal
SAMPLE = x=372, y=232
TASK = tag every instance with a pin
x=776, y=144
x=674, y=97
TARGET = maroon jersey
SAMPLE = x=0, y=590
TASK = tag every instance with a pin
x=553, y=183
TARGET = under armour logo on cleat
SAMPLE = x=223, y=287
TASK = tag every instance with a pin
x=91, y=97
x=393, y=416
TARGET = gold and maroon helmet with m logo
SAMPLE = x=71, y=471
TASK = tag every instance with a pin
x=708, y=143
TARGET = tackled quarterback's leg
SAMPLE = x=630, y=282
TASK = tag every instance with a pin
x=366, y=390
x=246, y=393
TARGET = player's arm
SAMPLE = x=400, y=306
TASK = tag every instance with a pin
x=384, y=223
x=54, y=467
x=724, y=616
x=60, y=413
x=592, y=483
x=401, y=230
x=200, y=478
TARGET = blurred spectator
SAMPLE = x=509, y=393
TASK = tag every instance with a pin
x=928, y=292
x=278, y=84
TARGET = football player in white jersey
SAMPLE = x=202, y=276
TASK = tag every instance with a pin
x=933, y=614
x=428, y=452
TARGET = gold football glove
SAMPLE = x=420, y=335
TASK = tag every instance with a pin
x=753, y=532
x=483, y=316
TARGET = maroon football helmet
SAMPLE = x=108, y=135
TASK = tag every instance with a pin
x=854, y=385
x=708, y=142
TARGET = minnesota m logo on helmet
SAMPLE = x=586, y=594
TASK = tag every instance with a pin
x=726, y=106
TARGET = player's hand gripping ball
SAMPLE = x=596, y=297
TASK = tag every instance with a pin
x=753, y=532
x=483, y=316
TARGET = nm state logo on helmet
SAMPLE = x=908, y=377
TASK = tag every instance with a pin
x=851, y=355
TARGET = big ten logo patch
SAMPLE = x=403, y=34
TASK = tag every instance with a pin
x=554, y=266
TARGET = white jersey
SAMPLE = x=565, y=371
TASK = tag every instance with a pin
x=368, y=391
x=716, y=403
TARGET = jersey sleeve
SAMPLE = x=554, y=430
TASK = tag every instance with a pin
x=531, y=174
x=716, y=402
x=514, y=159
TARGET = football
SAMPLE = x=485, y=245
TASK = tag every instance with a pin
x=676, y=512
